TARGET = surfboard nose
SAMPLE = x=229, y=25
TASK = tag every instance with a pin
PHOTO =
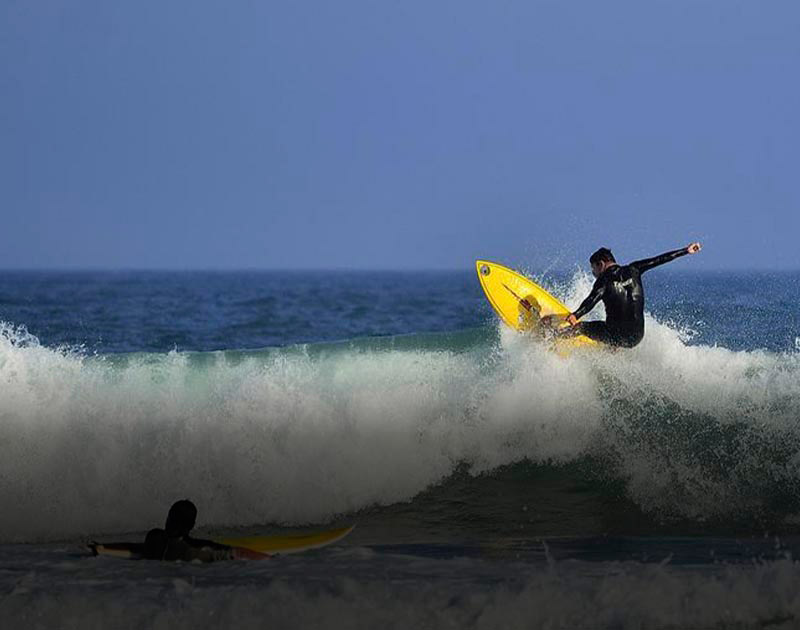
x=483, y=267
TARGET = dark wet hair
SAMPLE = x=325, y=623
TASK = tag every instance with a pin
x=601, y=255
x=181, y=518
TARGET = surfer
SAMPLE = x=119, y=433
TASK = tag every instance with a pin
x=620, y=288
x=174, y=543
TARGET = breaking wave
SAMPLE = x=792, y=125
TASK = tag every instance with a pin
x=303, y=434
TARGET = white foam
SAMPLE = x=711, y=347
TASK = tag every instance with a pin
x=93, y=446
x=360, y=589
x=104, y=445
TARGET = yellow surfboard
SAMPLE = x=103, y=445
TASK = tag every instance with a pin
x=270, y=545
x=292, y=543
x=521, y=303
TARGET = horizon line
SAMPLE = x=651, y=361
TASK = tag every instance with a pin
x=89, y=269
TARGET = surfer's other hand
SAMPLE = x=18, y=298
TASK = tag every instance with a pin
x=572, y=320
x=694, y=248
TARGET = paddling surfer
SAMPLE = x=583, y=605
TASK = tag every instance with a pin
x=174, y=543
x=620, y=288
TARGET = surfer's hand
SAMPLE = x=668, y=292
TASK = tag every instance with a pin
x=572, y=320
x=694, y=248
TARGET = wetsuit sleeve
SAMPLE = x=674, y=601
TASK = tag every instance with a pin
x=205, y=550
x=207, y=554
x=649, y=263
x=593, y=298
x=199, y=542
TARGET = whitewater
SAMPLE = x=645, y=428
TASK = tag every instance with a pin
x=493, y=483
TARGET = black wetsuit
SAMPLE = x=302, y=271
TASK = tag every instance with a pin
x=158, y=545
x=174, y=542
x=620, y=288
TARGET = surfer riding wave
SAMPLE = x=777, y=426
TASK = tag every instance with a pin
x=620, y=288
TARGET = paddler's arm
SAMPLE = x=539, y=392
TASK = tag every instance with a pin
x=649, y=263
x=200, y=542
x=211, y=551
x=207, y=550
x=589, y=303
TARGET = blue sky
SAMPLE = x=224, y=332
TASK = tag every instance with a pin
x=397, y=134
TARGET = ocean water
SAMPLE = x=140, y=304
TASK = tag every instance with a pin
x=493, y=483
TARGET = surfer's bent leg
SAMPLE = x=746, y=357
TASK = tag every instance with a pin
x=622, y=337
x=599, y=331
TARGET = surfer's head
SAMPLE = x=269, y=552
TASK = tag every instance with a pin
x=601, y=260
x=181, y=518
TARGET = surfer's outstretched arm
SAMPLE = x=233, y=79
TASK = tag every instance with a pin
x=649, y=263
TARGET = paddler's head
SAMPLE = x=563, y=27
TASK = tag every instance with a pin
x=181, y=518
x=601, y=260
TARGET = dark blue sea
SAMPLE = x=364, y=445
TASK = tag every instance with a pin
x=493, y=482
